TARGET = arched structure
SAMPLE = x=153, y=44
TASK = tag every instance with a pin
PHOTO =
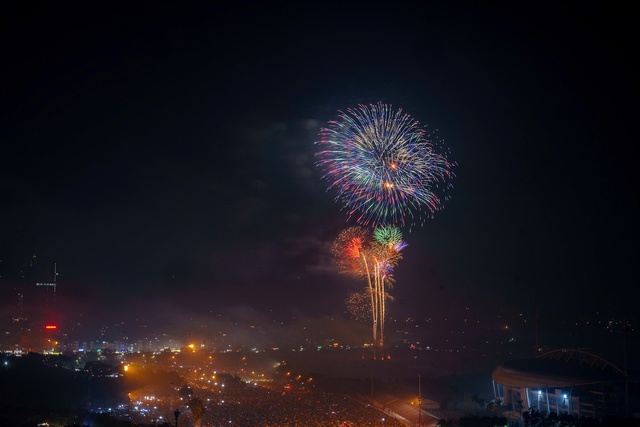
x=582, y=358
x=561, y=381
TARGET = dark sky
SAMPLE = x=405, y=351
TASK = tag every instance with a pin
x=165, y=152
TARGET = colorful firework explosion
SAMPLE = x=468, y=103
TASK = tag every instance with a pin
x=383, y=165
x=372, y=257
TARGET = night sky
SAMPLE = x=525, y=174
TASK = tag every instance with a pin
x=165, y=154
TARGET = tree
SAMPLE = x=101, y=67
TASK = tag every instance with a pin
x=197, y=410
x=495, y=405
x=533, y=418
x=478, y=400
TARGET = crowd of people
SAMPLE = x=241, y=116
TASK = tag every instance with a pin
x=257, y=406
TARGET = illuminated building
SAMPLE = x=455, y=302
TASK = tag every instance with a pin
x=562, y=381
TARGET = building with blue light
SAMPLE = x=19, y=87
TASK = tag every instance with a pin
x=563, y=381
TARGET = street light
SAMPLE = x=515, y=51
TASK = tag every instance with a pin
x=177, y=414
x=419, y=400
x=125, y=369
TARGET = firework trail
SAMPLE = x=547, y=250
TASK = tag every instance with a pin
x=386, y=253
x=352, y=250
x=383, y=165
x=373, y=258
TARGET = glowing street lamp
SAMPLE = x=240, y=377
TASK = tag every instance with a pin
x=419, y=400
x=176, y=414
x=126, y=369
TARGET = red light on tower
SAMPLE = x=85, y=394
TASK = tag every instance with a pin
x=50, y=327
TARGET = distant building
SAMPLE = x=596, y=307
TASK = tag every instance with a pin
x=563, y=382
x=31, y=324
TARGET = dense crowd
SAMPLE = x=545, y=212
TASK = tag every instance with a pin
x=263, y=407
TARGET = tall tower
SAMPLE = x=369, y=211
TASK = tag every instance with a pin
x=46, y=317
x=50, y=300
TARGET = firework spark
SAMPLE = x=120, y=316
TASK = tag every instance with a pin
x=372, y=258
x=358, y=306
x=383, y=165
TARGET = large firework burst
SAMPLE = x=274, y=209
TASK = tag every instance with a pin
x=383, y=165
